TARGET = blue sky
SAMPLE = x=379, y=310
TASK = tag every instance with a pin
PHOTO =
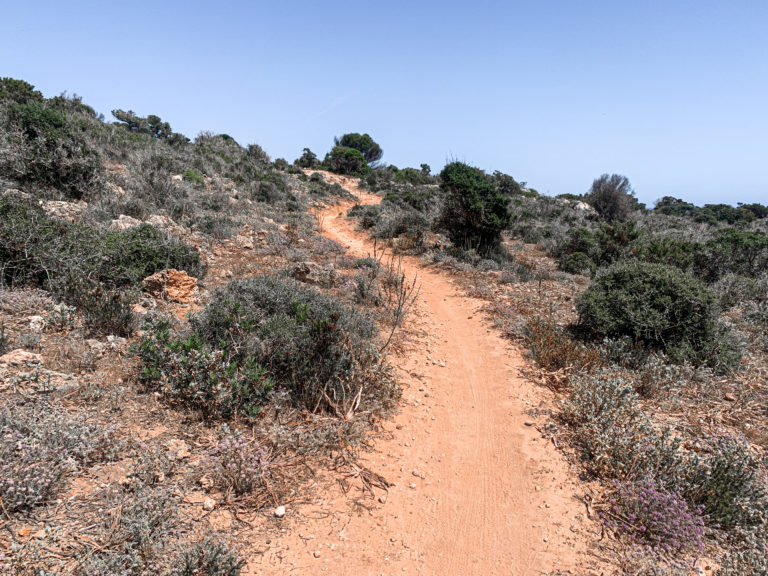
x=671, y=94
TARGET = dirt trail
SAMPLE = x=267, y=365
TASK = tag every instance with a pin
x=495, y=497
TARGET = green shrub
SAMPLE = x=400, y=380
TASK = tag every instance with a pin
x=363, y=143
x=726, y=484
x=475, y=212
x=735, y=251
x=659, y=306
x=344, y=160
x=51, y=149
x=263, y=333
x=312, y=345
x=40, y=250
x=192, y=176
x=187, y=372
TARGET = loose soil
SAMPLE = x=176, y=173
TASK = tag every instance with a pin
x=475, y=488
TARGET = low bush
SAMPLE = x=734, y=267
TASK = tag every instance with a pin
x=40, y=446
x=188, y=372
x=263, y=333
x=661, y=307
x=657, y=519
x=615, y=437
x=311, y=344
x=726, y=484
x=209, y=557
x=238, y=464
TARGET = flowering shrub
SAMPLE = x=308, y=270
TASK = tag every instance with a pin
x=238, y=463
x=656, y=518
x=30, y=474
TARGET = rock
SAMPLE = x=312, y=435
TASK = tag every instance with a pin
x=18, y=357
x=583, y=207
x=171, y=285
x=209, y=504
x=124, y=222
x=729, y=397
x=316, y=554
x=116, y=342
x=70, y=211
x=177, y=178
x=279, y=512
x=36, y=324
x=206, y=483
x=139, y=312
x=308, y=272
x=528, y=422
x=245, y=242
x=95, y=345
x=165, y=223
x=178, y=449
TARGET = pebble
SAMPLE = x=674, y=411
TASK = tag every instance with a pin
x=279, y=512
x=209, y=504
x=529, y=422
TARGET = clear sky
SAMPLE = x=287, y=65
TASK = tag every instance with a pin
x=672, y=94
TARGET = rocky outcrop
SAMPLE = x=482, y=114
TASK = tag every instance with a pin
x=171, y=285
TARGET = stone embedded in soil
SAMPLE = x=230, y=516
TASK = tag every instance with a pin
x=19, y=356
x=209, y=504
x=279, y=512
x=172, y=285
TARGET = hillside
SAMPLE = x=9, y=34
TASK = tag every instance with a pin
x=215, y=363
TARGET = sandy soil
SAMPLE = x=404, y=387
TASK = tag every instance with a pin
x=477, y=490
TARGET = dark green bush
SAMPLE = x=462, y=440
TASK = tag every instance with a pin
x=475, y=212
x=316, y=347
x=363, y=143
x=732, y=250
x=262, y=333
x=51, y=148
x=344, y=160
x=659, y=306
x=186, y=371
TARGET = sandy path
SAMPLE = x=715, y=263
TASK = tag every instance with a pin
x=495, y=498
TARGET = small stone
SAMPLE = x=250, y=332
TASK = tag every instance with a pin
x=36, y=324
x=206, y=483
x=729, y=397
x=279, y=512
x=209, y=504
x=529, y=422
x=412, y=485
x=316, y=554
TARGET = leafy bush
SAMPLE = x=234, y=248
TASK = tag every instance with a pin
x=660, y=306
x=187, y=372
x=50, y=148
x=40, y=250
x=475, y=212
x=343, y=160
x=726, y=485
x=316, y=347
x=733, y=250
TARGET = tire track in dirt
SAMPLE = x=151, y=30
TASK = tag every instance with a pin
x=495, y=498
